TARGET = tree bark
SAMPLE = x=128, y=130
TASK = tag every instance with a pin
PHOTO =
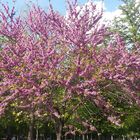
x=31, y=128
x=30, y=133
x=59, y=130
x=99, y=136
x=83, y=137
x=112, y=137
x=37, y=133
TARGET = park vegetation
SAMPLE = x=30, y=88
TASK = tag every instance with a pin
x=69, y=75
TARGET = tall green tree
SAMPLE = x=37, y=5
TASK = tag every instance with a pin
x=128, y=23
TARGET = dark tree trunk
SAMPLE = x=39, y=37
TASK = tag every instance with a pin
x=31, y=128
x=30, y=133
x=59, y=130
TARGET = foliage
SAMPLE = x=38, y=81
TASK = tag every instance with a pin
x=53, y=66
x=128, y=24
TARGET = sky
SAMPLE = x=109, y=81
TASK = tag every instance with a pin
x=110, y=6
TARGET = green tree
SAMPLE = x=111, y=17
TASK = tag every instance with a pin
x=128, y=23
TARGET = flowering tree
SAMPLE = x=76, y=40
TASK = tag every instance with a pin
x=21, y=57
x=56, y=64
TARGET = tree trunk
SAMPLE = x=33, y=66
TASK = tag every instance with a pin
x=31, y=128
x=59, y=129
x=83, y=137
x=99, y=136
x=30, y=133
x=58, y=135
x=37, y=133
x=112, y=137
